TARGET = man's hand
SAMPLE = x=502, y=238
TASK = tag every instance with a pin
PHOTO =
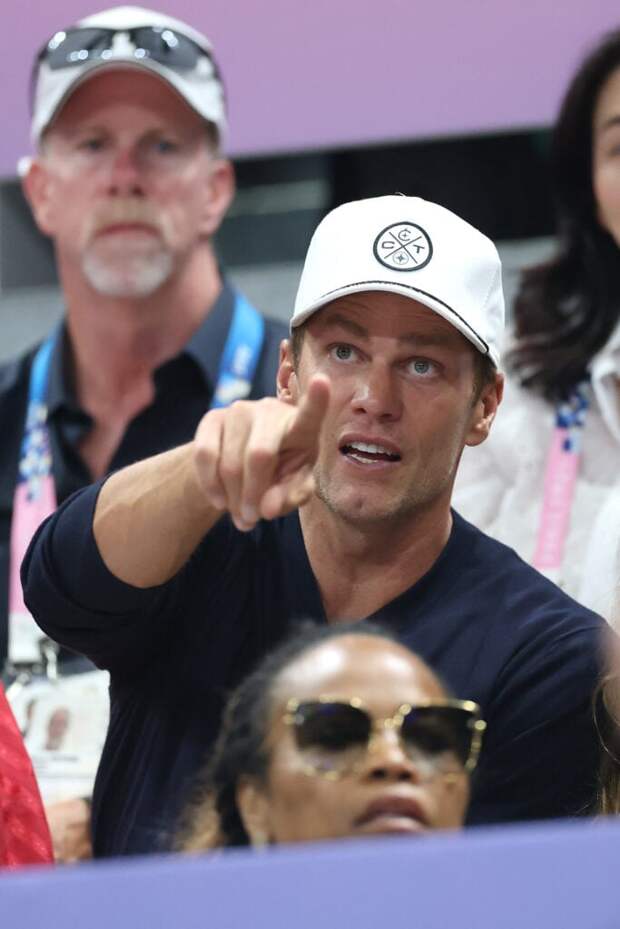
x=69, y=822
x=255, y=458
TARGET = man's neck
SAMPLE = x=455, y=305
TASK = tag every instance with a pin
x=359, y=569
x=118, y=343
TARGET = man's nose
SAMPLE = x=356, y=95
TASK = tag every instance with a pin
x=378, y=393
x=126, y=175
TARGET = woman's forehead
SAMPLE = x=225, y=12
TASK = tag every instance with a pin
x=376, y=670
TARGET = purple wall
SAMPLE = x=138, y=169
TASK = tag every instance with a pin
x=314, y=73
x=542, y=876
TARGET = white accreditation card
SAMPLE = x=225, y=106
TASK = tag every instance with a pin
x=64, y=724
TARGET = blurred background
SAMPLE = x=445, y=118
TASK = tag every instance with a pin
x=332, y=100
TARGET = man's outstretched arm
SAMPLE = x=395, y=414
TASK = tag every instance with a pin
x=104, y=574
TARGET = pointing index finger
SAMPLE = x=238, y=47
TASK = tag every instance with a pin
x=310, y=414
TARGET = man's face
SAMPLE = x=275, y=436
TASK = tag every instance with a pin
x=402, y=405
x=126, y=185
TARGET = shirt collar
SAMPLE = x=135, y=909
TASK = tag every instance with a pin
x=60, y=386
x=205, y=348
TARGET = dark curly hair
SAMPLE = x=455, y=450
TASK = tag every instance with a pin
x=608, y=730
x=212, y=818
x=567, y=308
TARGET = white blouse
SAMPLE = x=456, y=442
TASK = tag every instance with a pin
x=499, y=486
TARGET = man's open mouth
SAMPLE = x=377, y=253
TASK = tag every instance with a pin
x=365, y=452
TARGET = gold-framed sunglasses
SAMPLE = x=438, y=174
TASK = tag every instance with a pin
x=442, y=737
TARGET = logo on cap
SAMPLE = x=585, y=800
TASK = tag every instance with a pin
x=403, y=247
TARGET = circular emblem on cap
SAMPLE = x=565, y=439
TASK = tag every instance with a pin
x=403, y=247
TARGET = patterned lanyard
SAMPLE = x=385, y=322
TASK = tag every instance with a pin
x=33, y=501
x=35, y=495
x=561, y=473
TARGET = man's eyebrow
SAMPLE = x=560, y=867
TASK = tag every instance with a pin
x=413, y=338
x=429, y=338
x=79, y=128
x=337, y=319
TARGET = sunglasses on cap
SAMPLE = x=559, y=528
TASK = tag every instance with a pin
x=77, y=46
x=442, y=738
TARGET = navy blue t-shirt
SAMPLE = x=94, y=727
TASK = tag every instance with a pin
x=494, y=629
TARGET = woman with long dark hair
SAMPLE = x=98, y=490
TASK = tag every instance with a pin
x=340, y=732
x=547, y=481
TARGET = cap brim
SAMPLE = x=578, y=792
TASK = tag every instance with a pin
x=213, y=114
x=414, y=293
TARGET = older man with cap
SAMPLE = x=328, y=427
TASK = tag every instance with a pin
x=331, y=501
x=130, y=184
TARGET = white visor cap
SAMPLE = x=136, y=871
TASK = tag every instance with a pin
x=408, y=246
x=200, y=87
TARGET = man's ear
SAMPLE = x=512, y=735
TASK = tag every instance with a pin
x=484, y=410
x=253, y=806
x=219, y=194
x=37, y=187
x=287, y=384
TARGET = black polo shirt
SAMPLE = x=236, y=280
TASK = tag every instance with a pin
x=183, y=391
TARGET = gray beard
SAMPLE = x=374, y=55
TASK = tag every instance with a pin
x=131, y=276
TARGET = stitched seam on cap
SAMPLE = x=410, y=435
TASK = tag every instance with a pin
x=490, y=288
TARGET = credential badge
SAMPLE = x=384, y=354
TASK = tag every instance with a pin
x=403, y=247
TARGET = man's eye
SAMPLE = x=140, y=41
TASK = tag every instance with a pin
x=342, y=352
x=91, y=145
x=421, y=366
x=165, y=146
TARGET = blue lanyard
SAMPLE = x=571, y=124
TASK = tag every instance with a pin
x=40, y=370
x=35, y=457
x=570, y=416
x=240, y=356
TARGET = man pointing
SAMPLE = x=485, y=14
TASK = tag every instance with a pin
x=331, y=501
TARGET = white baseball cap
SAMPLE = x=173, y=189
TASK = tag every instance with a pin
x=127, y=36
x=408, y=246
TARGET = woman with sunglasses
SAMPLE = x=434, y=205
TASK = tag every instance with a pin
x=340, y=732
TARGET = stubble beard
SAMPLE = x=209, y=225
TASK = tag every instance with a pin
x=397, y=509
x=363, y=512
